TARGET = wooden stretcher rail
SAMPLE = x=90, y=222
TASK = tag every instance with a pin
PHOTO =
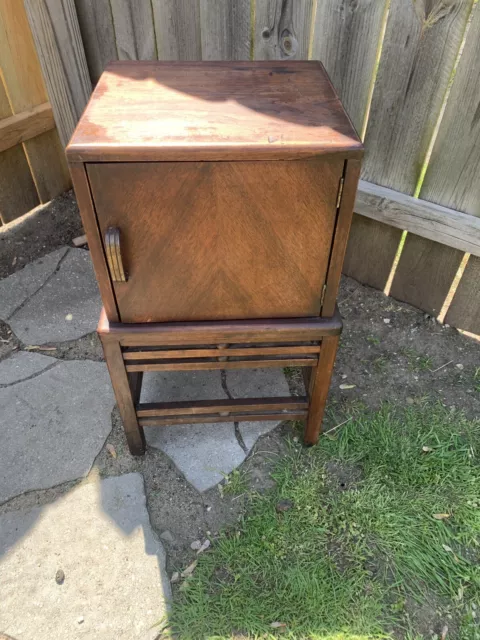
x=232, y=417
x=195, y=365
x=218, y=352
x=202, y=407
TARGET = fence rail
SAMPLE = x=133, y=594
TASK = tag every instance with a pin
x=408, y=72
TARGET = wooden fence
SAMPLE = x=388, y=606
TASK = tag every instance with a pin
x=408, y=72
x=32, y=162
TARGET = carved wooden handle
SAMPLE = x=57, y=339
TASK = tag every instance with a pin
x=114, y=254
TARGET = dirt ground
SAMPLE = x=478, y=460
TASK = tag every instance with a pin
x=389, y=351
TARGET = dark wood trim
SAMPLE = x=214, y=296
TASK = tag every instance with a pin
x=342, y=229
x=200, y=407
x=196, y=365
x=89, y=219
x=218, y=352
x=196, y=333
x=232, y=417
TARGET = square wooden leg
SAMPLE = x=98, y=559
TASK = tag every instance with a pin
x=318, y=386
x=127, y=389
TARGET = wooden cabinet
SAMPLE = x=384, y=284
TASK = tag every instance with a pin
x=214, y=193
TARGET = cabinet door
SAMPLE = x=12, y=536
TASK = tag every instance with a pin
x=219, y=240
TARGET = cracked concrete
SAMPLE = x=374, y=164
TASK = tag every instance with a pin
x=55, y=416
x=52, y=300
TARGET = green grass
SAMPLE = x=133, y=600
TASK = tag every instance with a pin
x=235, y=483
x=346, y=563
x=417, y=361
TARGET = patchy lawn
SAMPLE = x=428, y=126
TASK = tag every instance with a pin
x=373, y=533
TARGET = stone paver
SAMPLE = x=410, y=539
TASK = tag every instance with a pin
x=63, y=305
x=15, y=289
x=54, y=423
x=254, y=383
x=100, y=536
x=204, y=453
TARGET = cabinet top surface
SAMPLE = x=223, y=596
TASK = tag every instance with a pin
x=213, y=111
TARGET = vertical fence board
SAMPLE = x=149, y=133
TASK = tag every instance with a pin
x=225, y=29
x=418, y=54
x=464, y=311
x=23, y=79
x=17, y=189
x=133, y=24
x=59, y=46
x=96, y=26
x=177, y=29
x=346, y=40
x=282, y=29
x=452, y=175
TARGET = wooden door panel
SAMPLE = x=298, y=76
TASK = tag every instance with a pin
x=219, y=241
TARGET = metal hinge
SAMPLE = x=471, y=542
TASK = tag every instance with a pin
x=340, y=192
x=322, y=298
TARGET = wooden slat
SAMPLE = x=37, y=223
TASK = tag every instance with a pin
x=232, y=417
x=426, y=219
x=193, y=365
x=418, y=56
x=420, y=256
x=18, y=193
x=225, y=30
x=464, y=311
x=178, y=333
x=98, y=35
x=452, y=175
x=59, y=45
x=213, y=353
x=25, y=88
x=134, y=33
x=26, y=125
x=282, y=29
x=177, y=29
x=200, y=407
x=346, y=39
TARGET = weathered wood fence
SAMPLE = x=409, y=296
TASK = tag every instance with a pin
x=408, y=72
x=32, y=162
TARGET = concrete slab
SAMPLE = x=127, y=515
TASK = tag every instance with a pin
x=253, y=383
x=65, y=307
x=99, y=535
x=204, y=453
x=53, y=424
x=17, y=288
x=22, y=365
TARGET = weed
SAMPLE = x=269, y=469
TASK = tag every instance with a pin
x=235, y=483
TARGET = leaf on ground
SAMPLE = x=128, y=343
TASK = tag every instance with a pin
x=278, y=625
x=175, y=577
x=204, y=546
x=447, y=548
x=111, y=450
x=441, y=516
x=427, y=449
x=348, y=386
x=190, y=569
x=33, y=347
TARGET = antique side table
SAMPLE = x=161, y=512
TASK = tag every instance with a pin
x=217, y=199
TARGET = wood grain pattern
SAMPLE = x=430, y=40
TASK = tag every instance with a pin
x=26, y=125
x=419, y=257
x=23, y=79
x=212, y=110
x=98, y=35
x=177, y=29
x=18, y=193
x=346, y=39
x=423, y=218
x=188, y=333
x=464, y=311
x=237, y=240
x=87, y=211
x=282, y=29
x=225, y=30
x=234, y=417
x=421, y=43
x=134, y=32
x=59, y=45
x=199, y=407
x=164, y=354
x=193, y=365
